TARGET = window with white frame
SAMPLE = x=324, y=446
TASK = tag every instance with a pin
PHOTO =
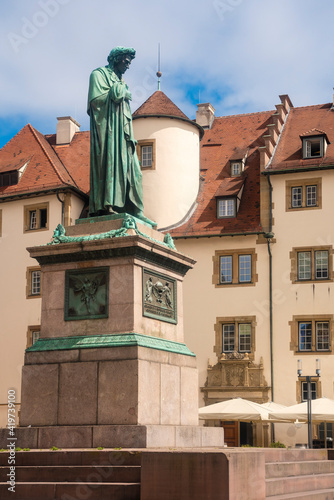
x=298, y=193
x=33, y=334
x=313, y=147
x=303, y=194
x=226, y=207
x=312, y=264
x=236, y=337
x=34, y=282
x=312, y=334
x=234, y=267
x=243, y=272
x=146, y=153
x=236, y=168
x=235, y=334
x=36, y=217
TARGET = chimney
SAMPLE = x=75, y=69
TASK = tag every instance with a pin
x=205, y=115
x=66, y=128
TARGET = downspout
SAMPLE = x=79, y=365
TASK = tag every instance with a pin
x=269, y=237
x=62, y=208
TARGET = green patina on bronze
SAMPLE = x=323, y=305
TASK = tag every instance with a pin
x=115, y=174
x=159, y=296
x=97, y=341
x=86, y=293
x=129, y=222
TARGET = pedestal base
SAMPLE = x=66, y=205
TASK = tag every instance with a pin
x=116, y=436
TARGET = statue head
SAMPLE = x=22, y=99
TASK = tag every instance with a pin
x=120, y=58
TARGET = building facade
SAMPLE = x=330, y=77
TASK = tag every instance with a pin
x=247, y=196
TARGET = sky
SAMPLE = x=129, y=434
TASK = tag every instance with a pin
x=239, y=55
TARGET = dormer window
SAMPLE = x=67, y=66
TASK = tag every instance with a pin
x=236, y=168
x=314, y=144
x=313, y=148
x=226, y=207
x=9, y=178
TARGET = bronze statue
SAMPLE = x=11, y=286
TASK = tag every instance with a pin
x=115, y=174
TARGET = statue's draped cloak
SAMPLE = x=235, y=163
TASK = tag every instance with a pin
x=115, y=175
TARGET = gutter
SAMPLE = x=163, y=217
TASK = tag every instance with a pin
x=218, y=235
x=29, y=194
x=295, y=170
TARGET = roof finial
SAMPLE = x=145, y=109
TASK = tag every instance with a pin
x=159, y=74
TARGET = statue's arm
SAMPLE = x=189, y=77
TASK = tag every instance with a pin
x=119, y=92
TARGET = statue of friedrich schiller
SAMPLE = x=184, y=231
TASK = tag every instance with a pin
x=115, y=175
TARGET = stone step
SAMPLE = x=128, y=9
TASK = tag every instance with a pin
x=287, y=469
x=294, y=484
x=309, y=495
x=73, y=457
x=292, y=455
x=71, y=491
x=71, y=473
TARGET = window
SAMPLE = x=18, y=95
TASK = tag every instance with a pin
x=311, y=264
x=301, y=388
x=303, y=194
x=235, y=335
x=236, y=168
x=312, y=334
x=233, y=267
x=36, y=217
x=33, y=334
x=310, y=193
x=9, y=178
x=34, y=282
x=313, y=391
x=313, y=147
x=240, y=342
x=226, y=207
x=146, y=154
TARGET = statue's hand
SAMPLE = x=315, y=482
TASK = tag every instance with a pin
x=128, y=96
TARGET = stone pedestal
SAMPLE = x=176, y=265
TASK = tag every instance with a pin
x=111, y=366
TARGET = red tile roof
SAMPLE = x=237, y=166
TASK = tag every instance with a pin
x=304, y=121
x=159, y=104
x=45, y=169
x=229, y=138
x=75, y=156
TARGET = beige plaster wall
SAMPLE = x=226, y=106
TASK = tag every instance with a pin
x=203, y=302
x=18, y=312
x=171, y=188
x=302, y=228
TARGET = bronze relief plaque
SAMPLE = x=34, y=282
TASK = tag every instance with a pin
x=159, y=296
x=86, y=293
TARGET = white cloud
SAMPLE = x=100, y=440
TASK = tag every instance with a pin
x=239, y=54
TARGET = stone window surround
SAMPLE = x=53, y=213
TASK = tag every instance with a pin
x=147, y=142
x=26, y=219
x=294, y=343
x=0, y=223
x=303, y=183
x=31, y=329
x=29, y=272
x=294, y=264
x=299, y=387
x=236, y=320
x=235, y=267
